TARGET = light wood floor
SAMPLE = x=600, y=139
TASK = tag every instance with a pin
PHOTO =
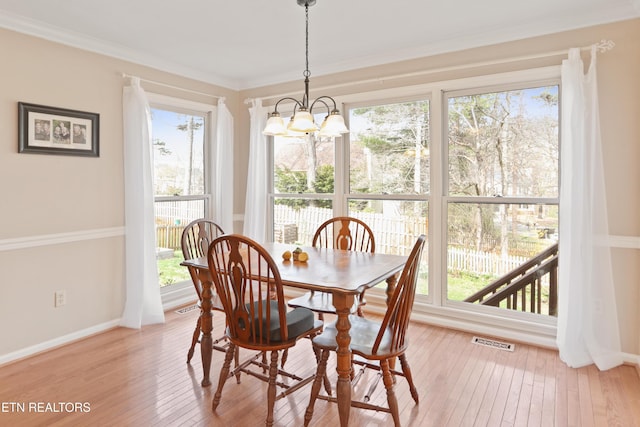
x=128, y=377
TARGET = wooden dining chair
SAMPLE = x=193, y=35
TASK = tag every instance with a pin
x=195, y=241
x=346, y=233
x=249, y=285
x=377, y=343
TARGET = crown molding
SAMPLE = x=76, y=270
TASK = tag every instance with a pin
x=67, y=37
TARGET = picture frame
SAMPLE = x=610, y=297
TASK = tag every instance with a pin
x=60, y=131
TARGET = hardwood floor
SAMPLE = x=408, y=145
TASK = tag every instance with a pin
x=128, y=377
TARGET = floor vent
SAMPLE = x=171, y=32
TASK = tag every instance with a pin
x=493, y=343
x=187, y=309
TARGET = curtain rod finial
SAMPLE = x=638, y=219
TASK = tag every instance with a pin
x=605, y=45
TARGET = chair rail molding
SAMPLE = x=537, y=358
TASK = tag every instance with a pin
x=630, y=242
x=59, y=238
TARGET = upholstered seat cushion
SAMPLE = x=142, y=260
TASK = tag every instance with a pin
x=299, y=321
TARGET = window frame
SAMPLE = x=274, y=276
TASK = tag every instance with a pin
x=286, y=111
x=183, y=106
x=447, y=199
x=434, y=307
x=343, y=191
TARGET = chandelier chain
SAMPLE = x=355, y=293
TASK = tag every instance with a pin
x=306, y=73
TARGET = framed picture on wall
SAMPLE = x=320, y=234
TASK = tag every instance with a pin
x=51, y=130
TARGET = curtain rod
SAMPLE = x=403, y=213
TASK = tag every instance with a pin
x=125, y=75
x=601, y=47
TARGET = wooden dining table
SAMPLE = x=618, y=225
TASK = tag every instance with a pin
x=345, y=274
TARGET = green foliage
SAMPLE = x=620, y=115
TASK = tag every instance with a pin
x=295, y=182
x=461, y=284
x=288, y=181
x=385, y=151
x=325, y=180
x=324, y=184
x=378, y=145
x=170, y=271
x=292, y=182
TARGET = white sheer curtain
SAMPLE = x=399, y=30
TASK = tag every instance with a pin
x=587, y=316
x=255, y=219
x=222, y=153
x=143, y=303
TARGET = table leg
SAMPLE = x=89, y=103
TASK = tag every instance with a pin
x=343, y=304
x=391, y=286
x=206, y=324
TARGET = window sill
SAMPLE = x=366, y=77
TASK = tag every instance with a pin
x=523, y=331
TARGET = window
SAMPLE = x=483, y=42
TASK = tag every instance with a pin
x=180, y=180
x=381, y=177
x=478, y=158
x=502, y=196
x=303, y=186
x=387, y=153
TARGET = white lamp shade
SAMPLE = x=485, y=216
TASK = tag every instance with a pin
x=327, y=132
x=275, y=126
x=302, y=121
x=334, y=124
x=293, y=133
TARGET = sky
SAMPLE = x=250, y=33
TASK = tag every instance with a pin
x=164, y=128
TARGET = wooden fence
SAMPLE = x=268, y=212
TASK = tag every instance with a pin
x=178, y=212
x=478, y=262
x=168, y=236
x=393, y=236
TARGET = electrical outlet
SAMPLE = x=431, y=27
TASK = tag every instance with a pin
x=60, y=298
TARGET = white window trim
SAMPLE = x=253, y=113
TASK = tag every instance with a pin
x=183, y=292
x=523, y=327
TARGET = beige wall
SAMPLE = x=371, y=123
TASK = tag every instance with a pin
x=45, y=195
x=73, y=198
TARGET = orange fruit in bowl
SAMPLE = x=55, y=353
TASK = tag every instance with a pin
x=303, y=257
x=286, y=255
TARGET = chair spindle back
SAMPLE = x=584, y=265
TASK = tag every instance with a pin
x=346, y=233
x=249, y=286
x=195, y=241
x=396, y=319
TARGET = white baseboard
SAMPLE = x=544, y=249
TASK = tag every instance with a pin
x=57, y=342
x=170, y=300
x=633, y=360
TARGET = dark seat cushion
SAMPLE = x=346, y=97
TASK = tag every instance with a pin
x=299, y=321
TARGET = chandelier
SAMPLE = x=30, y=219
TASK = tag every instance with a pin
x=302, y=120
